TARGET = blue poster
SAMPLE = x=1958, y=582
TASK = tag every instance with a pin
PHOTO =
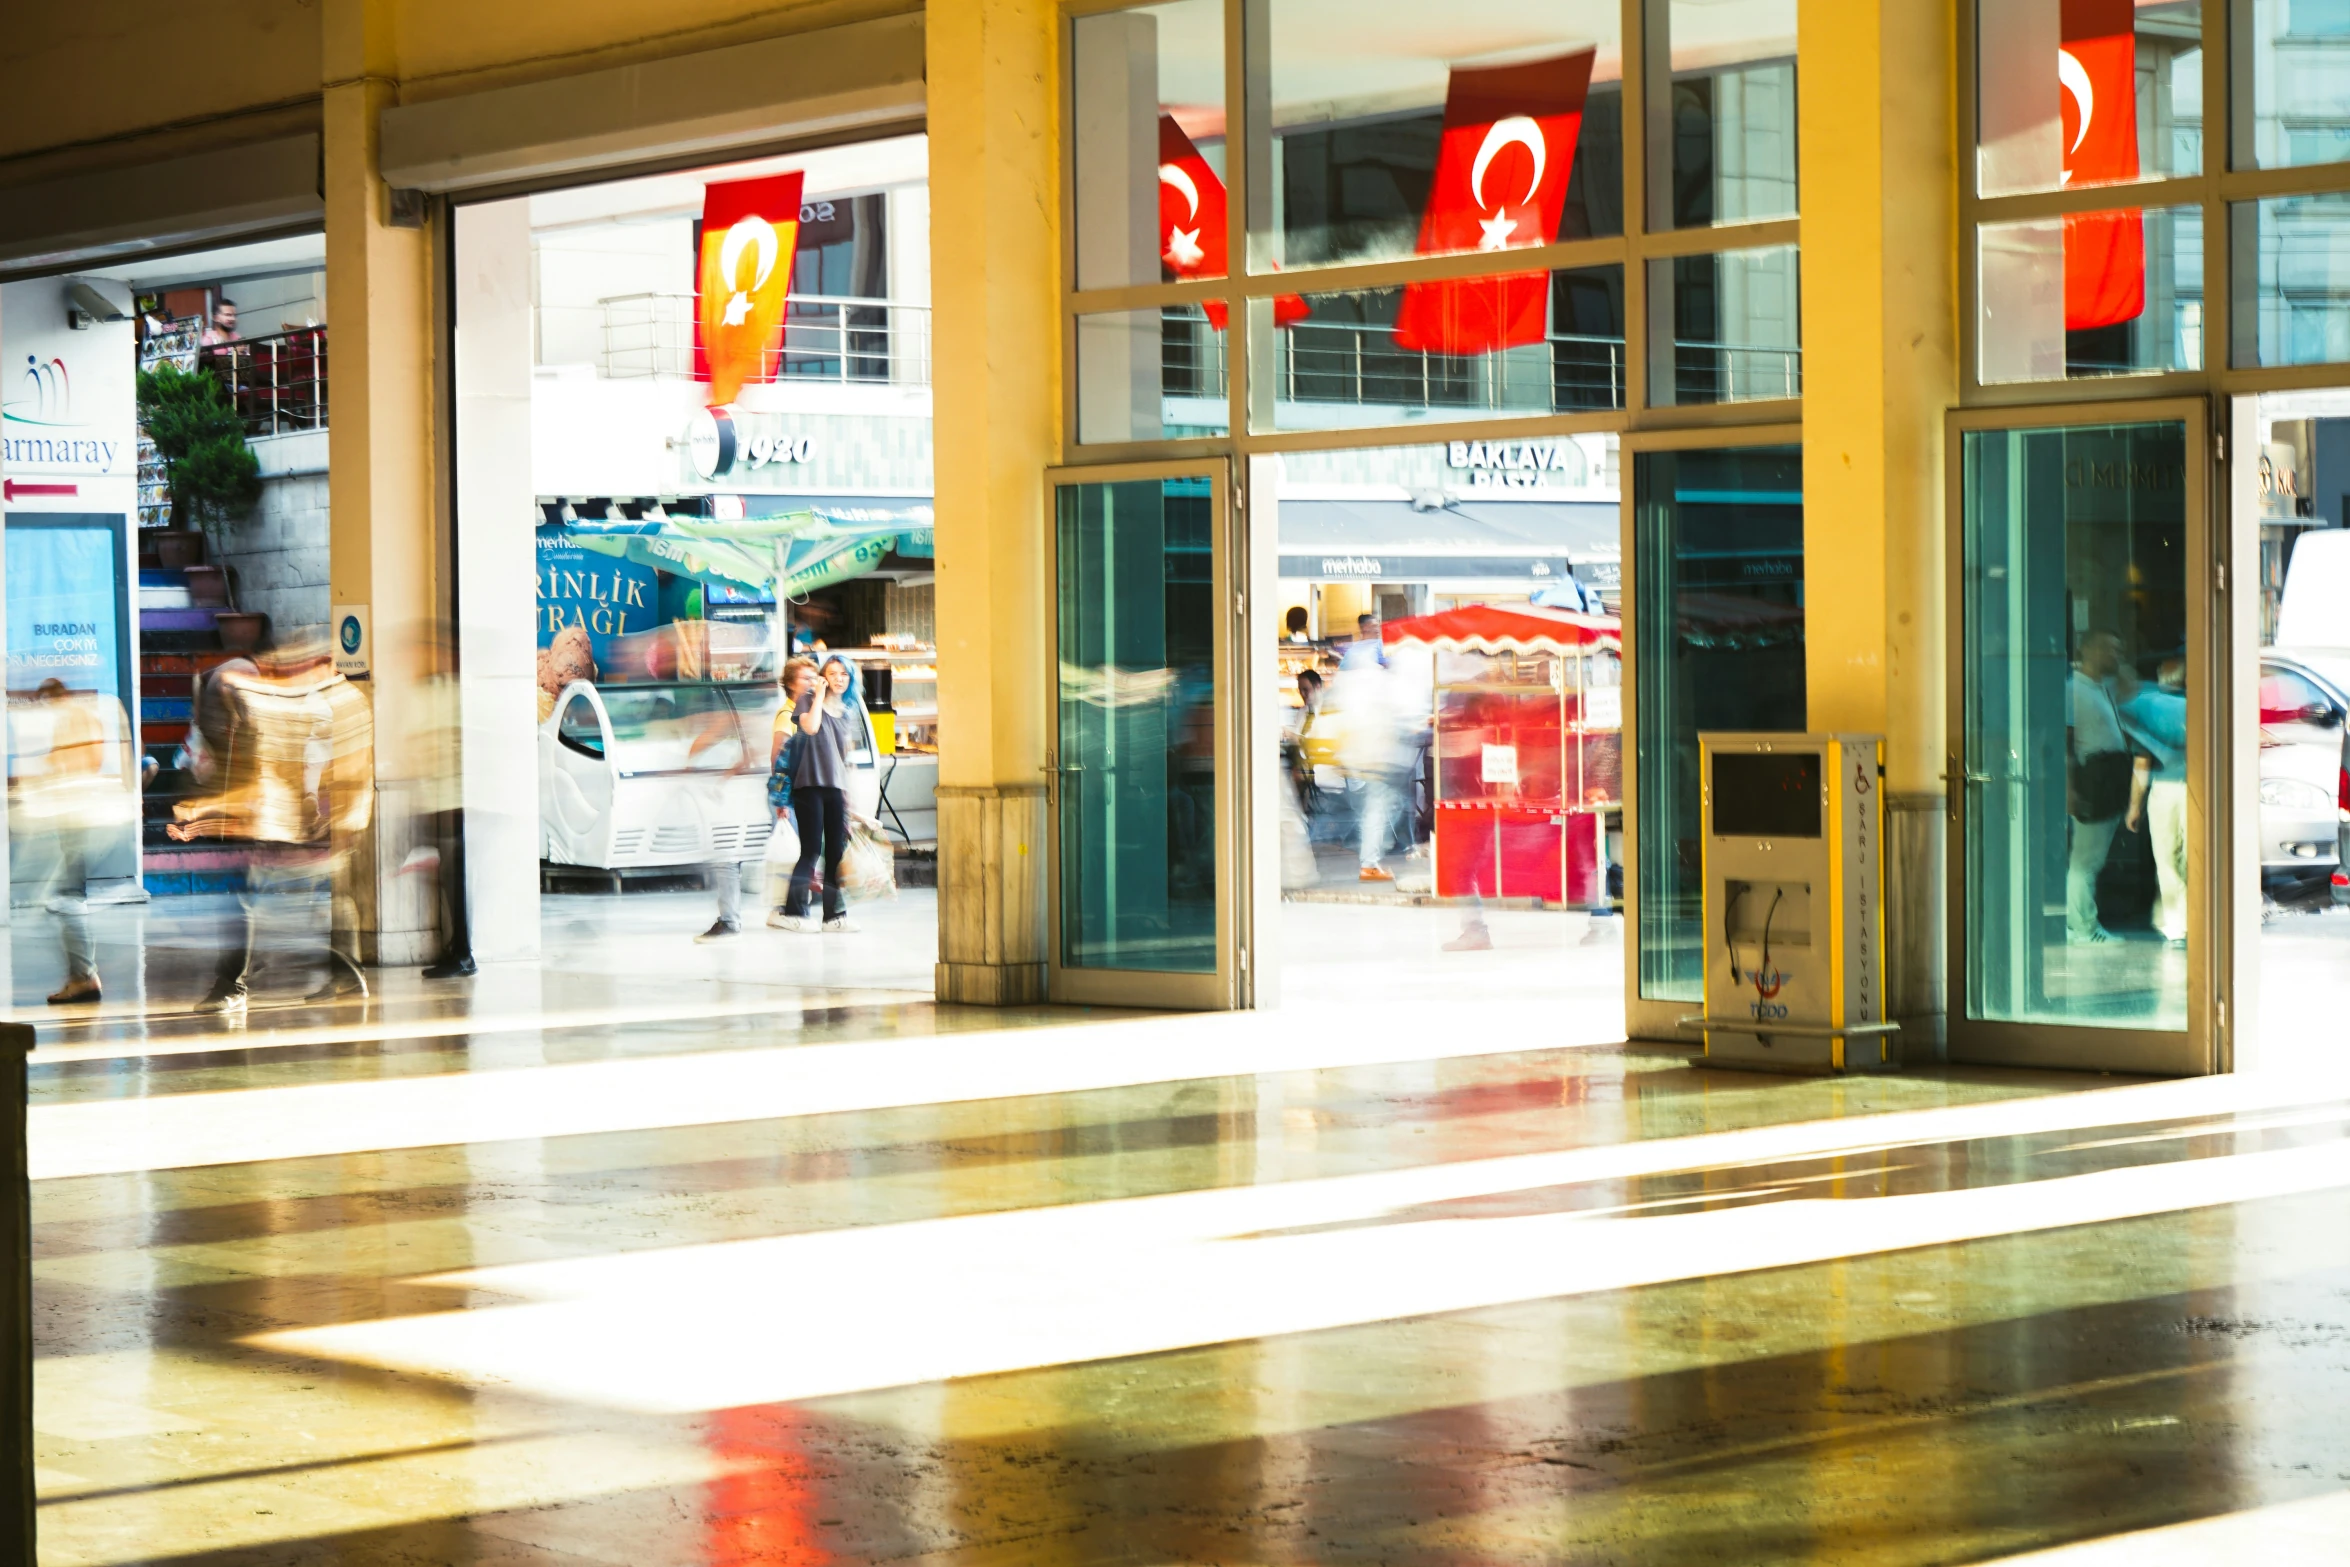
x=65, y=604
x=581, y=588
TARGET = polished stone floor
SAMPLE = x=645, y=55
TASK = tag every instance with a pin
x=648, y=1255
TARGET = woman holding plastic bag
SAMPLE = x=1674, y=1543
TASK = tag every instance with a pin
x=868, y=867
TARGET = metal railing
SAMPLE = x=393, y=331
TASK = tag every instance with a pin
x=1734, y=372
x=276, y=382
x=1359, y=363
x=825, y=338
x=1350, y=362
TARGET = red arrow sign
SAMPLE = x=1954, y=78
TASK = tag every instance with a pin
x=10, y=489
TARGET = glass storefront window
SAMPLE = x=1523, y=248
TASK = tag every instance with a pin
x=1399, y=129
x=2291, y=95
x=1724, y=328
x=2091, y=294
x=1455, y=348
x=1151, y=375
x=2074, y=718
x=1137, y=795
x=1718, y=542
x=1721, y=112
x=2292, y=280
x=2072, y=93
x=1147, y=144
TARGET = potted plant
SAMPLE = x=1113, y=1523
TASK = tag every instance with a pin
x=211, y=474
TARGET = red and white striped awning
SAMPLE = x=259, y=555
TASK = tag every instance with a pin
x=1483, y=628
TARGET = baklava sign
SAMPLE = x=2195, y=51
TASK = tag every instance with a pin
x=750, y=230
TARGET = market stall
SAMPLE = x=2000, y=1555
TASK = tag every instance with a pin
x=1527, y=713
x=639, y=604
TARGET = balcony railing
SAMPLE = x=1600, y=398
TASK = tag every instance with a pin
x=276, y=382
x=825, y=338
x=1359, y=363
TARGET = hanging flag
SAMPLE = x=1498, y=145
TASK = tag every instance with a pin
x=1192, y=230
x=750, y=230
x=2097, y=77
x=1501, y=184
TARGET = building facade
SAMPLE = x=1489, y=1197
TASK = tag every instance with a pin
x=1907, y=361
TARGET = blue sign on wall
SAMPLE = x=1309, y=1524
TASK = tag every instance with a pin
x=577, y=587
x=65, y=603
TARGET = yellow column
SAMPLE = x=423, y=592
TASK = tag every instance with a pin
x=382, y=347
x=995, y=197
x=1879, y=171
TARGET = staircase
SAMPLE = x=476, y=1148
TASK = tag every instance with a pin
x=180, y=606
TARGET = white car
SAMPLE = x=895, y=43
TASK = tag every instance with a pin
x=642, y=776
x=2304, y=695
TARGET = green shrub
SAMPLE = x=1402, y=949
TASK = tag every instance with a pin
x=213, y=475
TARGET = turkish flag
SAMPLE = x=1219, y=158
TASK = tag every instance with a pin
x=750, y=232
x=1501, y=184
x=2097, y=73
x=1192, y=232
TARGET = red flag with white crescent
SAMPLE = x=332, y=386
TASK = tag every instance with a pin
x=742, y=279
x=1192, y=232
x=2097, y=77
x=1501, y=184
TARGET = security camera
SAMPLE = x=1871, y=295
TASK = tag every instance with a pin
x=89, y=305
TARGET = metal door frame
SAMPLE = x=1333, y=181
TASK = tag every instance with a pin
x=1231, y=985
x=2203, y=1045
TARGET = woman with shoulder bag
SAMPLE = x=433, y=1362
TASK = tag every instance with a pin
x=799, y=673
x=819, y=775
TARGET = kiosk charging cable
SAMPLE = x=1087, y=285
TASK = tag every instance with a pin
x=1730, y=941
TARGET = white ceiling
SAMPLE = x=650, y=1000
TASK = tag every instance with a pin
x=871, y=165
x=265, y=258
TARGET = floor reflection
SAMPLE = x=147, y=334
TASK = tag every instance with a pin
x=863, y=1279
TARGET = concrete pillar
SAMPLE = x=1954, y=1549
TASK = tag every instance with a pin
x=497, y=563
x=995, y=197
x=1879, y=171
x=382, y=486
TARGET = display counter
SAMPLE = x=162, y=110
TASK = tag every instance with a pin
x=900, y=678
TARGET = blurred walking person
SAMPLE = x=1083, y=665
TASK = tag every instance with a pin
x=2097, y=779
x=1376, y=753
x=294, y=783
x=85, y=791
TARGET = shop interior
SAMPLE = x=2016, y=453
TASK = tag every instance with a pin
x=683, y=551
x=1449, y=668
x=135, y=570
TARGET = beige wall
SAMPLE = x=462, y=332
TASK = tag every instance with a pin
x=74, y=77
x=91, y=69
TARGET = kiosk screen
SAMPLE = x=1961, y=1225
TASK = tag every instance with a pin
x=1767, y=794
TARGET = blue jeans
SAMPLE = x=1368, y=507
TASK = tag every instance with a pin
x=1381, y=799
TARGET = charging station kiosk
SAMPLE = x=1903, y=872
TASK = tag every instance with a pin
x=1794, y=902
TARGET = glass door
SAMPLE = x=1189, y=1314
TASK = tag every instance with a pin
x=2083, y=707
x=1147, y=721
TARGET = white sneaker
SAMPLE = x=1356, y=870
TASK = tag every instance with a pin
x=841, y=925
x=797, y=924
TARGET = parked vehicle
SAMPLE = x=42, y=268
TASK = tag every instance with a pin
x=645, y=775
x=2341, y=877
x=2304, y=695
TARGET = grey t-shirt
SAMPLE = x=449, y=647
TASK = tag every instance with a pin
x=823, y=760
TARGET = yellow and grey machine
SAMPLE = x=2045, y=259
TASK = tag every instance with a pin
x=1794, y=902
